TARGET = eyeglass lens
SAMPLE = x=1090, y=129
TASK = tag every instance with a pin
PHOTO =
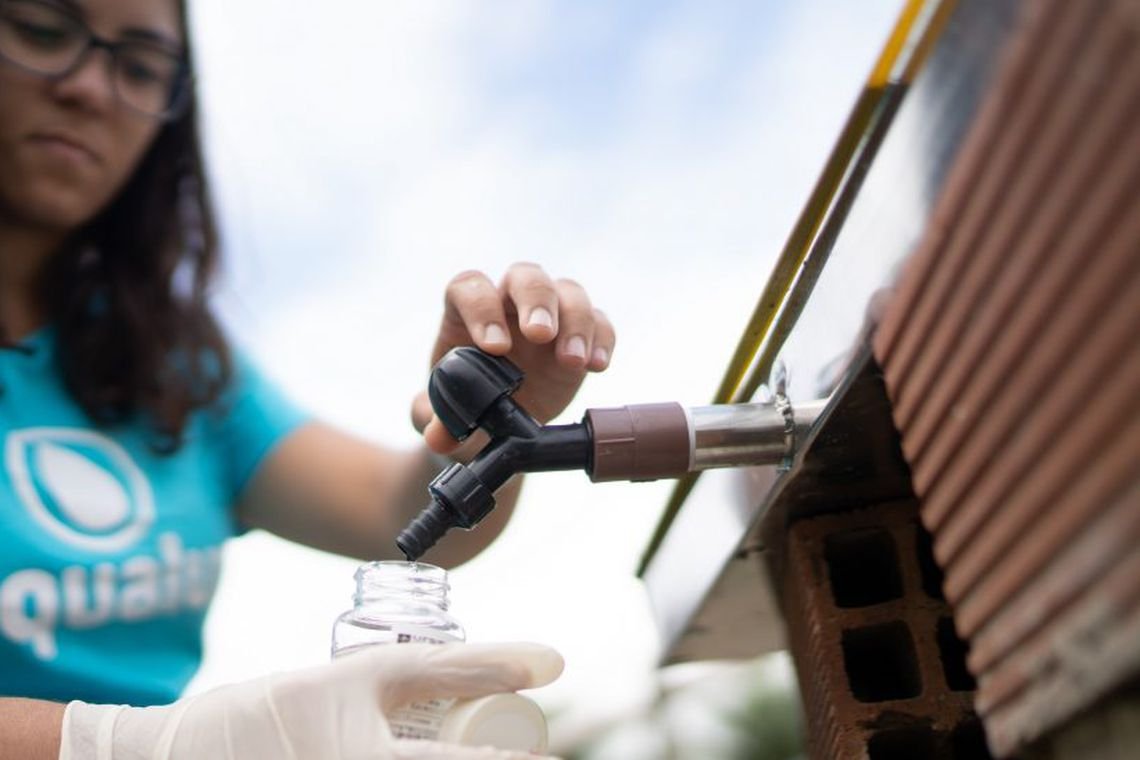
x=48, y=40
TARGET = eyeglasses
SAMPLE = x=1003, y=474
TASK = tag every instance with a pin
x=48, y=40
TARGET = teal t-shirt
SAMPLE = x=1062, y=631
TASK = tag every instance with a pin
x=110, y=551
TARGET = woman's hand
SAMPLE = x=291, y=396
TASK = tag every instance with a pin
x=547, y=327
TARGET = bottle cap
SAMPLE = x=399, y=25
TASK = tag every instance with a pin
x=505, y=721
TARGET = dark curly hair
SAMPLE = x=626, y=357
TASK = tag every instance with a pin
x=128, y=296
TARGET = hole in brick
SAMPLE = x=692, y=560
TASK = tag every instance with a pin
x=863, y=567
x=968, y=742
x=953, y=652
x=881, y=662
x=902, y=744
x=931, y=572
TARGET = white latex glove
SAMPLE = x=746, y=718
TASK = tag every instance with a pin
x=329, y=712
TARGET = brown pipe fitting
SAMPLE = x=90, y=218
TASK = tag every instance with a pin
x=640, y=442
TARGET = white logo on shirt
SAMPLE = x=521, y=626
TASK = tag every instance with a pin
x=84, y=489
x=80, y=486
x=34, y=603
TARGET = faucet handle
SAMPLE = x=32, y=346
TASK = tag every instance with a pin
x=467, y=382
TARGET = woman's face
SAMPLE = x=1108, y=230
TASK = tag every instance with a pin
x=68, y=145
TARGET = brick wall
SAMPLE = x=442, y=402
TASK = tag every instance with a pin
x=881, y=669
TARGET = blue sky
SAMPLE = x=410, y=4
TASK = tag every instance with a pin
x=363, y=152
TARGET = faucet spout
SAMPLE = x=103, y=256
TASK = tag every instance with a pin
x=470, y=389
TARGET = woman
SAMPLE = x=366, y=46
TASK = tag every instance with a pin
x=135, y=441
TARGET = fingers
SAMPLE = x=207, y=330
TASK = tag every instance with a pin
x=416, y=673
x=576, y=337
x=532, y=295
x=549, y=328
x=538, y=308
x=540, y=664
x=474, y=670
x=417, y=749
x=421, y=411
x=429, y=426
x=438, y=439
x=604, y=340
x=549, y=309
x=473, y=312
x=426, y=423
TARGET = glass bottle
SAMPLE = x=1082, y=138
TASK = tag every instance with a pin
x=397, y=602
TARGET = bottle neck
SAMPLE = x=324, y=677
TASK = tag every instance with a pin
x=401, y=582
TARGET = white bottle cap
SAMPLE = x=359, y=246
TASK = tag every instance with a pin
x=505, y=721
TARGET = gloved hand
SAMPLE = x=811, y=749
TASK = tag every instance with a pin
x=329, y=712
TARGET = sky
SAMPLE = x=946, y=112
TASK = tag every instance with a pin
x=362, y=153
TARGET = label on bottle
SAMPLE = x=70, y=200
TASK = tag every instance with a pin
x=419, y=720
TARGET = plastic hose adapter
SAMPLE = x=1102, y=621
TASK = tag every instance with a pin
x=639, y=442
x=460, y=499
x=468, y=390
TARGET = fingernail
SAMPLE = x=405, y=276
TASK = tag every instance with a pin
x=540, y=317
x=601, y=356
x=492, y=333
x=576, y=346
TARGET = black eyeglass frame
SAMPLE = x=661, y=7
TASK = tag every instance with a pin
x=183, y=77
